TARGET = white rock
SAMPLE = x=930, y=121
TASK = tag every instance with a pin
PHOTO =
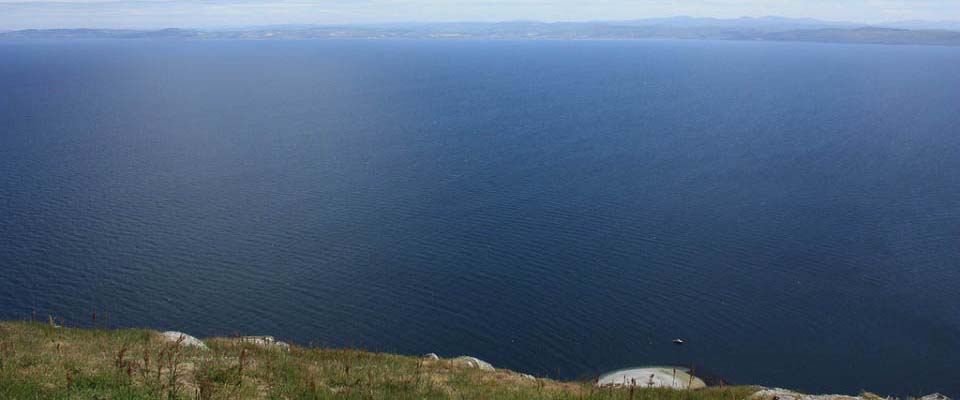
x=658, y=377
x=528, y=377
x=473, y=362
x=935, y=396
x=183, y=338
x=431, y=357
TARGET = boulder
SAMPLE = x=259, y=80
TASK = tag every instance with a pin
x=473, y=362
x=183, y=339
x=652, y=377
x=431, y=357
x=935, y=396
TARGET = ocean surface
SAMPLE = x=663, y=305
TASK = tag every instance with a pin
x=561, y=208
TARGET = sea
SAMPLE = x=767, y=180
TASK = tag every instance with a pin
x=560, y=208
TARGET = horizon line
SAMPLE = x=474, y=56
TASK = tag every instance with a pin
x=466, y=21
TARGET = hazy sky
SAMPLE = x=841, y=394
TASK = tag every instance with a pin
x=19, y=14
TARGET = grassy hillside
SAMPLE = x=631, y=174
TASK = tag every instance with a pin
x=42, y=361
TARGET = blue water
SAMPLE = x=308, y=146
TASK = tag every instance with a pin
x=555, y=207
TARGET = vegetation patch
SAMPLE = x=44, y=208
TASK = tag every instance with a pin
x=46, y=361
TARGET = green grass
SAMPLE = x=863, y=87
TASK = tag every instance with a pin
x=41, y=361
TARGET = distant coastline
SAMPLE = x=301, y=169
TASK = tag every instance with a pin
x=744, y=29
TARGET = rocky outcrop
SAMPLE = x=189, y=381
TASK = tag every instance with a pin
x=264, y=341
x=183, y=339
x=784, y=394
x=431, y=357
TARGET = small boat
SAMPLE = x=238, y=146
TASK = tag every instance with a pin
x=678, y=341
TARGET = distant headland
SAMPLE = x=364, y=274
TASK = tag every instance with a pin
x=744, y=29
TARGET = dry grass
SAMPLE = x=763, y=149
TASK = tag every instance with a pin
x=43, y=361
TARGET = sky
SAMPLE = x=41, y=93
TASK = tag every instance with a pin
x=150, y=14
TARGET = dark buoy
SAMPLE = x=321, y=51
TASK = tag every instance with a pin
x=678, y=341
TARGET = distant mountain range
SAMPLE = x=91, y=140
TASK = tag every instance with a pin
x=764, y=28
